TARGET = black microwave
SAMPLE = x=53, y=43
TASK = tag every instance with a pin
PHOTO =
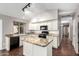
x=45, y=27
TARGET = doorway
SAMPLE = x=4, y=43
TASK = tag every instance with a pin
x=66, y=30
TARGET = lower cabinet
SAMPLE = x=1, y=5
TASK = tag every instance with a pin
x=35, y=50
x=39, y=51
x=55, y=42
x=42, y=51
x=21, y=40
x=27, y=49
x=7, y=43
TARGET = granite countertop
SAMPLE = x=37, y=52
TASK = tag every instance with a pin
x=34, y=39
x=37, y=41
x=12, y=35
x=9, y=35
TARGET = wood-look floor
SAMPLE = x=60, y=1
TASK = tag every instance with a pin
x=14, y=52
x=65, y=49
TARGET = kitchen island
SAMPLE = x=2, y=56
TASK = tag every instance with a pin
x=35, y=46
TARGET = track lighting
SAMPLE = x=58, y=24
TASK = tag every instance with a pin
x=27, y=6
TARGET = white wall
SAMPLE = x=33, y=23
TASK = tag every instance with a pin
x=75, y=35
x=71, y=30
x=66, y=19
x=75, y=31
x=0, y=34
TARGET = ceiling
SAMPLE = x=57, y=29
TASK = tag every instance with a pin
x=12, y=9
x=41, y=9
x=60, y=6
x=15, y=9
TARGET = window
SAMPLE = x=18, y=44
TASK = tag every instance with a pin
x=18, y=27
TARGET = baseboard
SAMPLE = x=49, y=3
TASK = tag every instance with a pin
x=2, y=49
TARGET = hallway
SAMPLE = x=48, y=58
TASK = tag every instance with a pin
x=65, y=49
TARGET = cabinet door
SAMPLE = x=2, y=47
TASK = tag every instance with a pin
x=55, y=42
x=21, y=40
x=39, y=51
x=49, y=49
x=27, y=49
x=7, y=43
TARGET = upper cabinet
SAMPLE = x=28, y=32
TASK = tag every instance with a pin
x=50, y=19
x=52, y=25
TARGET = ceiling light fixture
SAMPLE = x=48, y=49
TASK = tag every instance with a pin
x=27, y=6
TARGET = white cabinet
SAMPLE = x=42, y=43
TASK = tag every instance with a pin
x=7, y=43
x=52, y=25
x=27, y=49
x=35, y=50
x=39, y=51
x=55, y=42
x=32, y=26
x=21, y=40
